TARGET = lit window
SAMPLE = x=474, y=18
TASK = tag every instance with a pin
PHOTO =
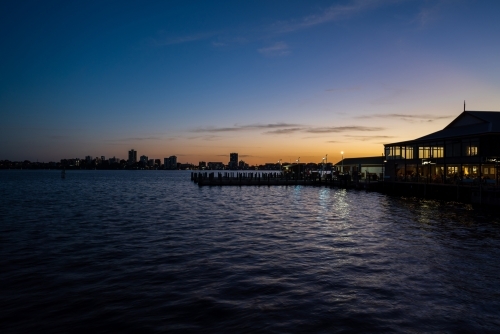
x=472, y=151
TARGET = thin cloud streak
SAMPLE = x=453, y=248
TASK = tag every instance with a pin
x=284, y=131
x=429, y=14
x=284, y=128
x=278, y=49
x=333, y=13
x=337, y=129
x=406, y=117
x=367, y=138
x=236, y=128
x=138, y=139
x=206, y=138
x=163, y=40
x=345, y=89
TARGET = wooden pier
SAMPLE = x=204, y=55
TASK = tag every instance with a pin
x=488, y=196
x=276, y=179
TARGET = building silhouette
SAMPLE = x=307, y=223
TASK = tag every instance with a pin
x=467, y=149
x=132, y=157
x=170, y=162
x=233, y=161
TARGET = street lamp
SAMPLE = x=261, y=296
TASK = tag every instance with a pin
x=383, y=172
x=322, y=167
x=298, y=166
x=342, y=152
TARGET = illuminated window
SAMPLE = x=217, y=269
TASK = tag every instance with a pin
x=397, y=152
x=424, y=152
x=409, y=153
x=452, y=170
x=470, y=147
x=472, y=150
x=437, y=152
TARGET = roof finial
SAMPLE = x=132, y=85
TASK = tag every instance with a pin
x=464, y=105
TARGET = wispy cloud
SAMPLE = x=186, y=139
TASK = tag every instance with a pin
x=333, y=13
x=338, y=129
x=429, y=14
x=284, y=131
x=258, y=33
x=236, y=127
x=369, y=138
x=164, y=39
x=285, y=128
x=408, y=118
x=278, y=49
x=218, y=44
x=138, y=139
x=206, y=137
x=344, y=89
x=142, y=138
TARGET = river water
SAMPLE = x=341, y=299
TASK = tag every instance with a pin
x=129, y=251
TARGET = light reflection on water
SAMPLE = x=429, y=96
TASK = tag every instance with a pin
x=130, y=251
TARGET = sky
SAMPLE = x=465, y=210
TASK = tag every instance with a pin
x=269, y=80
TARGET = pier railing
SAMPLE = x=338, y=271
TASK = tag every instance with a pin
x=238, y=178
x=468, y=192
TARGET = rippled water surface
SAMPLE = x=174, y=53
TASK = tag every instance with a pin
x=132, y=251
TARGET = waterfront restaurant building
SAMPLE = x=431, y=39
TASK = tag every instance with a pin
x=366, y=166
x=465, y=151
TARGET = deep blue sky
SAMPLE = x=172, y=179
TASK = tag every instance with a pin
x=270, y=80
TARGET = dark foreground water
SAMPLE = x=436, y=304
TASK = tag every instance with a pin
x=126, y=251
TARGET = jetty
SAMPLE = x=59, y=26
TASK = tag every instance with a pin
x=280, y=179
x=486, y=195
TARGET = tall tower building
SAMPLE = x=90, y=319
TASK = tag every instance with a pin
x=233, y=161
x=132, y=157
x=172, y=162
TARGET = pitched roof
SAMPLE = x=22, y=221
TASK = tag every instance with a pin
x=379, y=160
x=466, y=124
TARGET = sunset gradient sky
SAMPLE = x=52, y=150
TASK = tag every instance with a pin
x=267, y=79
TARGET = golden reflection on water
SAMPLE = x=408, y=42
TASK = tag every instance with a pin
x=340, y=204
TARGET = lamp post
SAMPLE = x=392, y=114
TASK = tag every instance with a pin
x=342, y=152
x=298, y=166
x=279, y=161
x=383, y=171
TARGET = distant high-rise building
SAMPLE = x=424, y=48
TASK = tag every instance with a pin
x=202, y=165
x=132, y=157
x=171, y=162
x=233, y=161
